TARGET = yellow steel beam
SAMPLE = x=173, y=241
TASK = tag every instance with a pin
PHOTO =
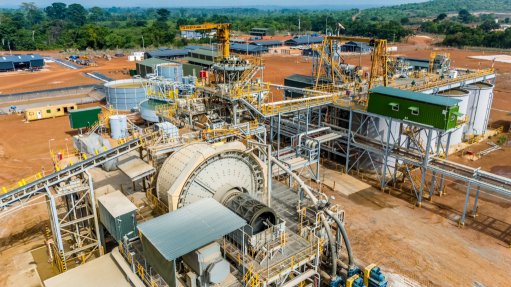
x=222, y=33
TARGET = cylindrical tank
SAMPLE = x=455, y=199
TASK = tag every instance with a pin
x=253, y=211
x=463, y=96
x=171, y=71
x=125, y=94
x=118, y=126
x=479, y=106
x=148, y=110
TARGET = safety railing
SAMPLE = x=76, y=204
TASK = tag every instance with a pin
x=22, y=182
x=295, y=105
x=446, y=81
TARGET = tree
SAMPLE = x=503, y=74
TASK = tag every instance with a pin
x=506, y=20
x=465, y=16
x=489, y=25
x=405, y=21
x=441, y=17
x=33, y=14
x=76, y=14
x=57, y=11
x=163, y=14
x=97, y=14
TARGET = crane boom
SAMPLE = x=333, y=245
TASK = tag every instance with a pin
x=222, y=33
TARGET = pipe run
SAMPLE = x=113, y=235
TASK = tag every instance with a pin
x=344, y=234
x=302, y=277
x=302, y=184
x=331, y=241
x=315, y=201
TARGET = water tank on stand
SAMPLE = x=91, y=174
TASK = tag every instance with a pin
x=118, y=126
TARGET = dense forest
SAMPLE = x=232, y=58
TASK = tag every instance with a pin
x=61, y=26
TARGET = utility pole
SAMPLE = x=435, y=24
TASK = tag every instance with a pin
x=143, y=43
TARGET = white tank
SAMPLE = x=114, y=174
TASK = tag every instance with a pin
x=479, y=106
x=171, y=71
x=463, y=96
x=118, y=126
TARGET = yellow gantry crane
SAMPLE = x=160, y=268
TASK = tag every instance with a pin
x=222, y=33
x=379, y=57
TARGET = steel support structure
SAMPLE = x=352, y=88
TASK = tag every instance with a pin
x=74, y=221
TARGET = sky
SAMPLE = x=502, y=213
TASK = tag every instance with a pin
x=211, y=3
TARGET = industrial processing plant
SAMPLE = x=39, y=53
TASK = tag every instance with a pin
x=197, y=171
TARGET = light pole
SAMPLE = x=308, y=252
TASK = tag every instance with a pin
x=49, y=144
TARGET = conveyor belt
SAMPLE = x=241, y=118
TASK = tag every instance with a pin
x=28, y=190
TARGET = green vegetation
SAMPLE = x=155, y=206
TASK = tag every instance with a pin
x=61, y=26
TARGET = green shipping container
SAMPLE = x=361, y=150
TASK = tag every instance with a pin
x=431, y=110
x=83, y=118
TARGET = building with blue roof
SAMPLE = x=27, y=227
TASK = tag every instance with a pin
x=247, y=49
x=21, y=61
x=303, y=40
x=268, y=43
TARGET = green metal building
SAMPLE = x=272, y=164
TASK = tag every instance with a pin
x=84, y=117
x=436, y=111
x=117, y=215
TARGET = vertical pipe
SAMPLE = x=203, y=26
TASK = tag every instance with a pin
x=278, y=136
x=425, y=166
x=349, y=141
x=270, y=175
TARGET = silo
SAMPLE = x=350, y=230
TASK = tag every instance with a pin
x=148, y=110
x=463, y=96
x=479, y=106
x=125, y=94
x=171, y=71
x=118, y=126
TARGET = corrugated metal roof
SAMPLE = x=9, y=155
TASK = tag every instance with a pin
x=152, y=62
x=117, y=203
x=414, y=96
x=305, y=79
x=266, y=43
x=84, y=109
x=302, y=40
x=205, y=52
x=20, y=58
x=250, y=48
x=189, y=228
x=199, y=61
x=168, y=53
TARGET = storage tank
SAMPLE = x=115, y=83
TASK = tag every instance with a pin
x=463, y=96
x=171, y=71
x=148, y=110
x=125, y=94
x=118, y=126
x=479, y=106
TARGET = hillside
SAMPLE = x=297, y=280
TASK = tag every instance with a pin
x=435, y=7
